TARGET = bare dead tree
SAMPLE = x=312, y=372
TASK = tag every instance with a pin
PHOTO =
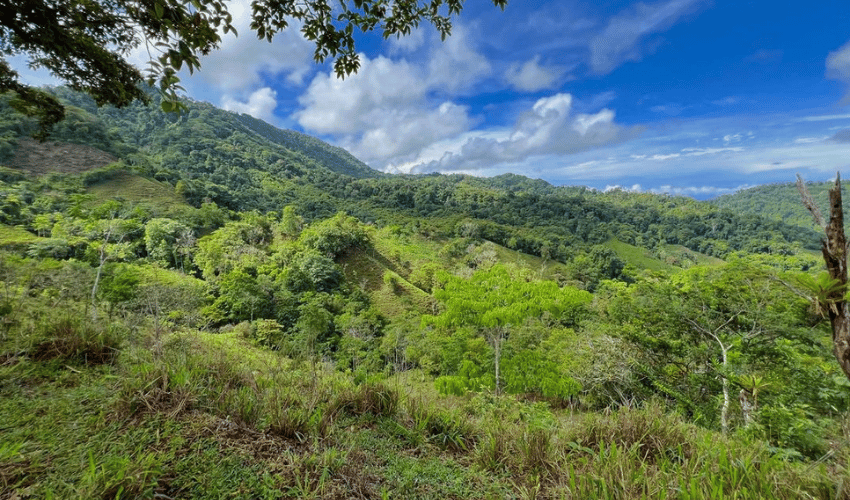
x=834, y=251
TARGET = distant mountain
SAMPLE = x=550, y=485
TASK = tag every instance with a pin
x=243, y=164
x=780, y=202
x=148, y=129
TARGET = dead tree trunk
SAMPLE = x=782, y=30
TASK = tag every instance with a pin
x=835, y=255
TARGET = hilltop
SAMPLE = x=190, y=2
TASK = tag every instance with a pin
x=780, y=202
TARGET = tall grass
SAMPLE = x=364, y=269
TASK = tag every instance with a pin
x=208, y=405
x=69, y=338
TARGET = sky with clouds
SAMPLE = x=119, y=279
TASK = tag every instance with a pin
x=691, y=97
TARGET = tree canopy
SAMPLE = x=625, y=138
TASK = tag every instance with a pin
x=85, y=43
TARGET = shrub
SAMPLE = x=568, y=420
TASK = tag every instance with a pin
x=266, y=332
x=792, y=430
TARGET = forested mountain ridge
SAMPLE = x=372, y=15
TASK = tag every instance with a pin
x=779, y=202
x=241, y=163
x=136, y=127
x=332, y=157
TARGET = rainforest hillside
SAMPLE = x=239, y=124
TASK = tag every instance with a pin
x=219, y=309
x=241, y=164
x=780, y=202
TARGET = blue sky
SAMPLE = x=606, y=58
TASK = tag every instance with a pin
x=689, y=97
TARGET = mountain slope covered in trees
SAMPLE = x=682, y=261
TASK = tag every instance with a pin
x=223, y=315
x=780, y=202
x=240, y=163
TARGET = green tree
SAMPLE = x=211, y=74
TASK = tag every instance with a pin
x=236, y=245
x=492, y=303
x=241, y=296
x=706, y=329
x=335, y=236
x=108, y=235
x=168, y=242
x=290, y=222
x=314, y=325
x=119, y=286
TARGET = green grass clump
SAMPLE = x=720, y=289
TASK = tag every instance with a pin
x=375, y=399
x=73, y=339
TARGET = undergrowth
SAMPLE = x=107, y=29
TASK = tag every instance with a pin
x=93, y=412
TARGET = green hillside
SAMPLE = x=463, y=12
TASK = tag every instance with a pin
x=780, y=202
x=231, y=311
x=331, y=157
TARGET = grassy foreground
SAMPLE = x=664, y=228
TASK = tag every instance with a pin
x=95, y=412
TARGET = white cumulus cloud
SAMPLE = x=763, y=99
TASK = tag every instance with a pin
x=241, y=61
x=455, y=64
x=392, y=109
x=260, y=104
x=548, y=128
x=380, y=112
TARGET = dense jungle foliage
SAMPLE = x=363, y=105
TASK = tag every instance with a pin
x=231, y=310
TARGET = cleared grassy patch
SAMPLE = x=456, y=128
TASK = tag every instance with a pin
x=666, y=258
x=15, y=238
x=159, y=197
x=640, y=258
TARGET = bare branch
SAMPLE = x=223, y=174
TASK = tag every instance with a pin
x=809, y=203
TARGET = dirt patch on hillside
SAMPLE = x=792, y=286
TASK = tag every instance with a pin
x=47, y=157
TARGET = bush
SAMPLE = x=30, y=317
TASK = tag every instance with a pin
x=527, y=372
x=266, y=332
x=792, y=430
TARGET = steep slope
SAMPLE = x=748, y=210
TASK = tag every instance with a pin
x=779, y=202
x=40, y=158
x=146, y=127
x=331, y=157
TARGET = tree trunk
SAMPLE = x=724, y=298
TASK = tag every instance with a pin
x=835, y=255
x=724, y=411
x=749, y=405
x=103, y=258
x=496, y=336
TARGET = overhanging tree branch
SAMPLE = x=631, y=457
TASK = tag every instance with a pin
x=85, y=43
